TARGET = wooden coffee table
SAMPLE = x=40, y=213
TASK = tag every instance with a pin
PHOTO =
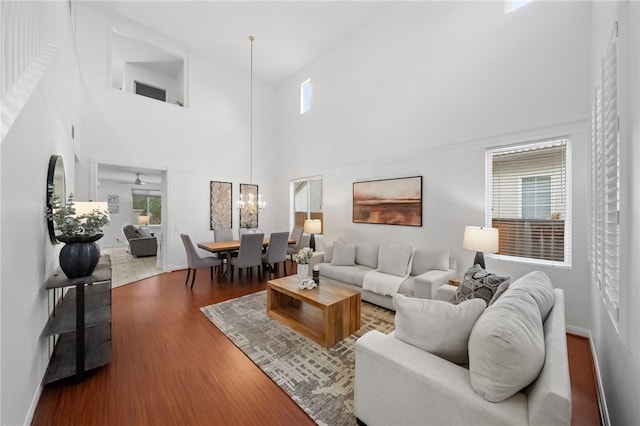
x=326, y=314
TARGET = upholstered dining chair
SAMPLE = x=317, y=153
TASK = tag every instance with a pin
x=194, y=261
x=296, y=235
x=223, y=234
x=249, y=255
x=276, y=252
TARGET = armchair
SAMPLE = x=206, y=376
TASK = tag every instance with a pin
x=139, y=244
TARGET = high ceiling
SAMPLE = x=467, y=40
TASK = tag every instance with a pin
x=288, y=34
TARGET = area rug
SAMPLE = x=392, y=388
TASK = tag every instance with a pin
x=319, y=380
x=126, y=269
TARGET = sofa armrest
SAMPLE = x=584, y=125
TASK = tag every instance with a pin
x=400, y=384
x=427, y=284
x=446, y=292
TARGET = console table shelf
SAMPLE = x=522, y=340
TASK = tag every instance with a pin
x=82, y=320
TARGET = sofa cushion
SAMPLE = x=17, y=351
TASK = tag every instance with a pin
x=538, y=284
x=478, y=283
x=436, y=326
x=347, y=274
x=327, y=248
x=394, y=259
x=367, y=254
x=506, y=346
x=344, y=255
x=426, y=259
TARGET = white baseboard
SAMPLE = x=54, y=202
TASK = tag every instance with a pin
x=34, y=405
x=578, y=331
x=602, y=400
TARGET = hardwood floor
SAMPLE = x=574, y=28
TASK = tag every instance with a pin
x=171, y=366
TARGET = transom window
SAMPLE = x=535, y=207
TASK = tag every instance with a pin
x=528, y=189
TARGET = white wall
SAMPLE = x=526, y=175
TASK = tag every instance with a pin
x=423, y=90
x=208, y=140
x=617, y=352
x=43, y=128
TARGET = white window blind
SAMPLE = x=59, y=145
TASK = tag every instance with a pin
x=529, y=200
x=307, y=199
x=605, y=183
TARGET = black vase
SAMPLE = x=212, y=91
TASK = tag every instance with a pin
x=79, y=256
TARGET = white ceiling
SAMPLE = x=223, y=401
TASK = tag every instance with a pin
x=288, y=34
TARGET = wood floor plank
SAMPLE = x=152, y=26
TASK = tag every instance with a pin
x=171, y=366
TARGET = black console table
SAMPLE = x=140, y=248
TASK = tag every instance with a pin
x=81, y=319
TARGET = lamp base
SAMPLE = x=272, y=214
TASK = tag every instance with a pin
x=312, y=242
x=479, y=259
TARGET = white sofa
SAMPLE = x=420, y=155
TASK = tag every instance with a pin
x=427, y=270
x=401, y=384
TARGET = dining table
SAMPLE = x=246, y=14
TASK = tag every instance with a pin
x=227, y=247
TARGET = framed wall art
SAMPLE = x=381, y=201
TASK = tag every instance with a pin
x=249, y=212
x=388, y=201
x=221, y=206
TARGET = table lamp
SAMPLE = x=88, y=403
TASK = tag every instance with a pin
x=481, y=240
x=143, y=220
x=312, y=226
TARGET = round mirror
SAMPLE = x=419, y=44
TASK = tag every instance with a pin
x=55, y=185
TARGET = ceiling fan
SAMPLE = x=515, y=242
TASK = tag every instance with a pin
x=138, y=181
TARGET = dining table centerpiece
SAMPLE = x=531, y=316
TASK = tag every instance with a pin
x=78, y=225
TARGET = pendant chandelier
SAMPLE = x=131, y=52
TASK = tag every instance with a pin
x=251, y=206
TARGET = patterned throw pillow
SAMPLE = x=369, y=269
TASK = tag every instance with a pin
x=481, y=284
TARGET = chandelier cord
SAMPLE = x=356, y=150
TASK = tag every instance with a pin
x=251, y=38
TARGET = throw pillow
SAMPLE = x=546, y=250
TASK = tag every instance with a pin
x=539, y=285
x=479, y=283
x=327, y=248
x=144, y=232
x=367, y=254
x=426, y=259
x=506, y=347
x=436, y=326
x=394, y=259
x=344, y=255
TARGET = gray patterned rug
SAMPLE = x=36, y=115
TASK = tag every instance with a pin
x=319, y=380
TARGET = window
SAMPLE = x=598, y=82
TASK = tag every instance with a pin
x=305, y=96
x=307, y=200
x=604, y=164
x=511, y=5
x=528, y=189
x=146, y=202
x=150, y=91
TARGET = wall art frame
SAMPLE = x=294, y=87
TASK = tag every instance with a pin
x=221, y=205
x=395, y=201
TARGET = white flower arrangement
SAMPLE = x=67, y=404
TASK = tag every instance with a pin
x=304, y=256
x=308, y=284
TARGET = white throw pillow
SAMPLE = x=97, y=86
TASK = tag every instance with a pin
x=394, y=259
x=367, y=254
x=539, y=286
x=327, y=248
x=428, y=259
x=436, y=326
x=506, y=347
x=344, y=255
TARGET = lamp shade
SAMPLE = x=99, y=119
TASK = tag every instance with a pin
x=480, y=239
x=313, y=226
x=143, y=220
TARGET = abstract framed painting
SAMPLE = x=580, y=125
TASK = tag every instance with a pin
x=221, y=216
x=249, y=213
x=395, y=201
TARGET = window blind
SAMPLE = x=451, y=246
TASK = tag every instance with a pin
x=605, y=183
x=529, y=200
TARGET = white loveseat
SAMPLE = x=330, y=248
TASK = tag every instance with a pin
x=421, y=274
x=397, y=383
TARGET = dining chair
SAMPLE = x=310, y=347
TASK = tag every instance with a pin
x=223, y=234
x=249, y=254
x=194, y=261
x=276, y=252
x=296, y=235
